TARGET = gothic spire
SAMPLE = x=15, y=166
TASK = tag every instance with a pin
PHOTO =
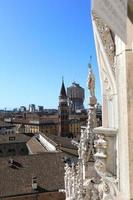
x=63, y=90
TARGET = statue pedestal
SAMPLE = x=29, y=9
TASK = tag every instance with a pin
x=92, y=101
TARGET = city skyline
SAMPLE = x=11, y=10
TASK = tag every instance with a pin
x=40, y=43
x=37, y=105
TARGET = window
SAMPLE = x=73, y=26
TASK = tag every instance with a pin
x=22, y=149
x=11, y=138
x=11, y=150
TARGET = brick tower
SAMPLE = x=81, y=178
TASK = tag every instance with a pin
x=63, y=113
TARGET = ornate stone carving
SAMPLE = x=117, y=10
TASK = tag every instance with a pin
x=102, y=188
x=91, y=82
x=107, y=38
x=74, y=181
x=107, y=188
x=90, y=135
x=100, y=145
x=90, y=148
x=108, y=90
x=91, y=192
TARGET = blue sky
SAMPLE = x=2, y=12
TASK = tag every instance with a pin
x=41, y=41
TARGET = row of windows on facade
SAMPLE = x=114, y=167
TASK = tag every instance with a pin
x=7, y=132
x=63, y=117
x=13, y=150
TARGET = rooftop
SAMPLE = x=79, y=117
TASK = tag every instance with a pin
x=14, y=138
x=62, y=141
x=17, y=180
x=34, y=146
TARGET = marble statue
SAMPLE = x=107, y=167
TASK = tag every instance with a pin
x=91, y=82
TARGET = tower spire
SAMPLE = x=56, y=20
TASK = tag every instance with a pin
x=62, y=79
x=63, y=90
x=63, y=112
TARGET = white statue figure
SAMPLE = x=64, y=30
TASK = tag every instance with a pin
x=91, y=82
x=82, y=150
x=91, y=190
x=108, y=186
x=82, y=147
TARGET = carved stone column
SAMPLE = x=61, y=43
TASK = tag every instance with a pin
x=90, y=126
x=66, y=181
x=107, y=188
x=91, y=115
x=100, y=145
